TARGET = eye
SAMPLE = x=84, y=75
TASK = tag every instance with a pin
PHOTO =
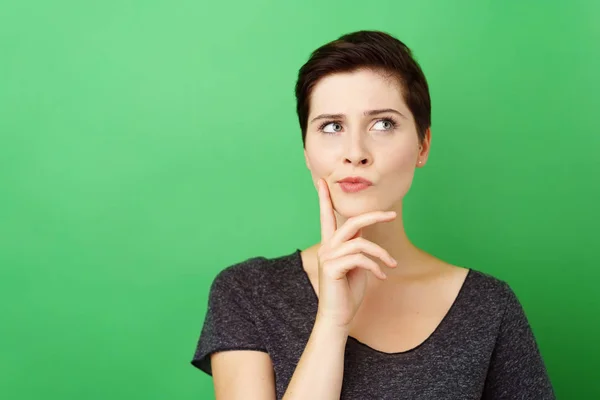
x=388, y=124
x=335, y=125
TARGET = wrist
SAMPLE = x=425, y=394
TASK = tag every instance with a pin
x=328, y=327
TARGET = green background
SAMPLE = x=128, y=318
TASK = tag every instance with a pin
x=146, y=145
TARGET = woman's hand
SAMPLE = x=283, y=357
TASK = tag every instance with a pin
x=343, y=267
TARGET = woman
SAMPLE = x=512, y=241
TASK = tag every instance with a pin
x=365, y=314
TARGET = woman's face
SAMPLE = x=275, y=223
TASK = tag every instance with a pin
x=382, y=147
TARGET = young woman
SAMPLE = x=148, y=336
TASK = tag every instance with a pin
x=365, y=314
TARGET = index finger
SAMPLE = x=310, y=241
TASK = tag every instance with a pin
x=328, y=222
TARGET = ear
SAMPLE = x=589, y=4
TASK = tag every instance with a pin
x=424, y=149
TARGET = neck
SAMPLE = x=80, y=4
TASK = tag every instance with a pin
x=391, y=236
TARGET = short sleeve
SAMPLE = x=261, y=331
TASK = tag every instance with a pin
x=517, y=369
x=230, y=322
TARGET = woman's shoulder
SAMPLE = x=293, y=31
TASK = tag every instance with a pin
x=258, y=271
x=486, y=280
x=477, y=285
x=489, y=292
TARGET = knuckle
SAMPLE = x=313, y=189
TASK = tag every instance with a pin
x=322, y=251
x=361, y=241
x=364, y=244
x=360, y=258
x=353, y=218
x=328, y=272
x=324, y=261
x=370, y=247
x=355, y=221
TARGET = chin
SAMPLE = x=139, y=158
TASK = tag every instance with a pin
x=351, y=207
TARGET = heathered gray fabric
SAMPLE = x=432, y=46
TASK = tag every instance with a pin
x=484, y=348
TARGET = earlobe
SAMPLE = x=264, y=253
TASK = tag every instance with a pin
x=424, y=148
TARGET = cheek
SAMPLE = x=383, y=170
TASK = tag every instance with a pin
x=320, y=163
x=319, y=168
x=399, y=174
x=402, y=163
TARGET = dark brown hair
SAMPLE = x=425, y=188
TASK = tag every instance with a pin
x=375, y=50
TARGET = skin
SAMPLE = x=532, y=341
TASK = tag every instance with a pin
x=390, y=314
x=399, y=312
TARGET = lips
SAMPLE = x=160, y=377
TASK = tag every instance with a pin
x=354, y=184
x=355, y=179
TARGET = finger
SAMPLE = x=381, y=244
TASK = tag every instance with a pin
x=338, y=268
x=362, y=245
x=352, y=225
x=328, y=222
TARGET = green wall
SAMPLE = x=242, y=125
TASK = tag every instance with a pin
x=146, y=145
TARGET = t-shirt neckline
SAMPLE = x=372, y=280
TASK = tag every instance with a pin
x=446, y=320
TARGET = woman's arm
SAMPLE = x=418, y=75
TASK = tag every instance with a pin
x=243, y=374
x=320, y=371
x=248, y=375
x=517, y=369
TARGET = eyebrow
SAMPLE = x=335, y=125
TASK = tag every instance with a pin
x=366, y=113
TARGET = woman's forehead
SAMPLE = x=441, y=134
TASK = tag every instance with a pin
x=356, y=92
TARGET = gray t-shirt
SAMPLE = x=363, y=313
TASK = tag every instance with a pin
x=484, y=347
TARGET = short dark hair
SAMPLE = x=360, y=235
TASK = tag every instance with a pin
x=363, y=49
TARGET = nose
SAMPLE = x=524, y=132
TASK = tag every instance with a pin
x=356, y=152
